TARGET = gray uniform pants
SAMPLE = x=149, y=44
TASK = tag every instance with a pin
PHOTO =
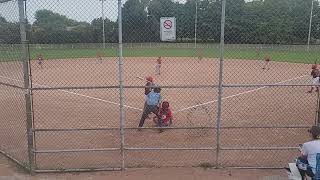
x=146, y=111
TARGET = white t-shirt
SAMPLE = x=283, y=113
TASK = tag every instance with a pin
x=310, y=149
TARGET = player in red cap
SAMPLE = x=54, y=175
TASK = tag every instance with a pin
x=158, y=65
x=148, y=88
x=267, y=60
x=40, y=59
x=99, y=56
x=315, y=73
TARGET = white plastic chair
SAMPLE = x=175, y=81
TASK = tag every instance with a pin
x=294, y=173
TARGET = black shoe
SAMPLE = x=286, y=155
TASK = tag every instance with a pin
x=287, y=169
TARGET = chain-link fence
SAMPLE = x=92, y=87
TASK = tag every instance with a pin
x=74, y=82
x=13, y=141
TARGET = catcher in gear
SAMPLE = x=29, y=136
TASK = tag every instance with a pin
x=165, y=115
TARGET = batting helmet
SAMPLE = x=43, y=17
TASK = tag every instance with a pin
x=149, y=78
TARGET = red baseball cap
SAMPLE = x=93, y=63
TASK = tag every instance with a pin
x=149, y=78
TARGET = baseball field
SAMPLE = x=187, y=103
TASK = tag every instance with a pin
x=79, y=127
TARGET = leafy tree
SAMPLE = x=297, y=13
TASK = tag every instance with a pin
x=134, y=21
x=258, y=21
x=51, y=27
x=110, y=29
x=9, y=32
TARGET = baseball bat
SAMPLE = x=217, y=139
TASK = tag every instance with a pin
x=141, y=78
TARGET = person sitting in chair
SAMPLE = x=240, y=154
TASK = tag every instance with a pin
x=307, y=162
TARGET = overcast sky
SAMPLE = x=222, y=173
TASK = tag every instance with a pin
x=80, y=10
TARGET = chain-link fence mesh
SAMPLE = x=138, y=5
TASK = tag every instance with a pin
x=244, y=94
x=13, y=141
x=13, y=128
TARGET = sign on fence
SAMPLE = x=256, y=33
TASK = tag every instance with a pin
x=168, y=28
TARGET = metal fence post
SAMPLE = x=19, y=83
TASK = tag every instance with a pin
x=219, y=103
x=310, y=26
x=317, y=118
x=120, y=61
x=27, y=84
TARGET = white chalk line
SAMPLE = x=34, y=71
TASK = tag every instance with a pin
x=78, y=94
x=234, y=95
x=183, y=109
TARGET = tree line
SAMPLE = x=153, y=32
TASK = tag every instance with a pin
x=254, y=22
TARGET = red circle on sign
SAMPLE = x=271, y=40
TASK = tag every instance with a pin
x=167, y=24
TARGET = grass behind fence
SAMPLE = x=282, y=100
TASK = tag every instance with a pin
x=293, y=56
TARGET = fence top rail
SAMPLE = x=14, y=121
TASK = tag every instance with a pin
x=196, y=127
x=3, y=1
x=177, y=45
x=174, y=86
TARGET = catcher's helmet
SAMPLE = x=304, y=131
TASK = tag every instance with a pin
x=165, y=104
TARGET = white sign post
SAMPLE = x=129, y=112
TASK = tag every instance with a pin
x=168, y=28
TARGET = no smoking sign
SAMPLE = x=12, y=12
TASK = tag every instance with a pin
x=168, y=29
x=167, y=24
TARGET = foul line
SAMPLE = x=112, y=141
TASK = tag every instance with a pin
x=183, y=109
x=239, y=94
x=77, y=94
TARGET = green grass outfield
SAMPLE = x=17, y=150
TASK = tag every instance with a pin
x=298, y=56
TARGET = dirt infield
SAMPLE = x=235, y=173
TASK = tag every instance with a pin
x=193, y=107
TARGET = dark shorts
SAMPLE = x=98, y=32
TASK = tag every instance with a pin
x=304, y=167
